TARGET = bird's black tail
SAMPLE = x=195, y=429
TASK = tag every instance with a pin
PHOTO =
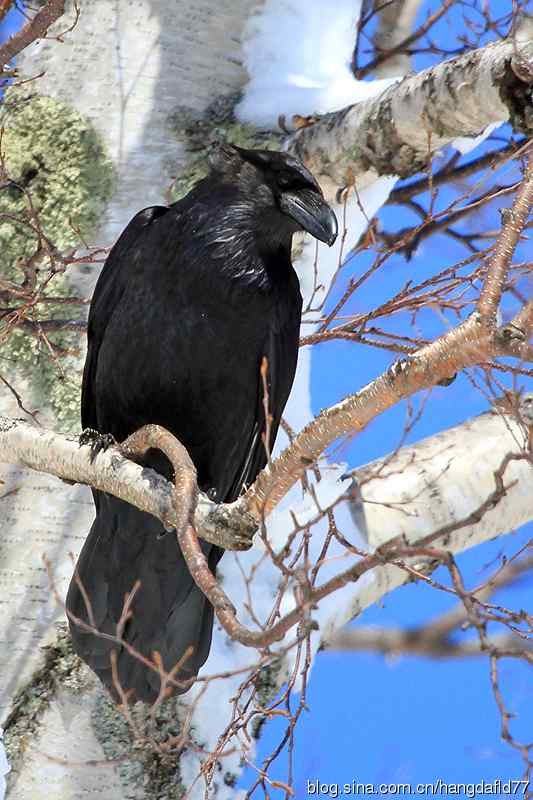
x=169, y=613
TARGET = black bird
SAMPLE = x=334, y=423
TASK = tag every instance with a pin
x=190, y=300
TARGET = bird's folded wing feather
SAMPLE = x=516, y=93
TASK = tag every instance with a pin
x=109, y=289
x=281, y=353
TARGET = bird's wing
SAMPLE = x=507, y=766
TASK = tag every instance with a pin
x=281, y=352
x=108, y=291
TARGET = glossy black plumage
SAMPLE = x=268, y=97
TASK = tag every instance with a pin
x=189, y=301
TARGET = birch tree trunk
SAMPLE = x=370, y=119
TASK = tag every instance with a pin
x=131, y=68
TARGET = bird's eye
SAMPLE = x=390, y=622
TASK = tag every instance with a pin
x=284, y=179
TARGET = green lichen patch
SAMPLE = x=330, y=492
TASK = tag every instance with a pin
x=145, y=770
x=55, y=181
x=55, y=154
x=52, y=383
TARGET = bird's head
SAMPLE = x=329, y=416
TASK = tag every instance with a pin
x=284, y=189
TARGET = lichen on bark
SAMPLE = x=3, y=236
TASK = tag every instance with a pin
x=144, y=770
x=61, y=667
x=55, y=180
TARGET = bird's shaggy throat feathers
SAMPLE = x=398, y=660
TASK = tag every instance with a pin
x=252, y=243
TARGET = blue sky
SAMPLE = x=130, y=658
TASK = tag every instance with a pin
x=413, y=719
x=10, y=24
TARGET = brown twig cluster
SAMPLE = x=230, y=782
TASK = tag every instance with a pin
x=397, y=37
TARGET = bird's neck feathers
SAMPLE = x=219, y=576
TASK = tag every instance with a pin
x=253, y=243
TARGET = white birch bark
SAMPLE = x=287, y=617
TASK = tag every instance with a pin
x=396, y=132
x=127, y=66
x=439, y=482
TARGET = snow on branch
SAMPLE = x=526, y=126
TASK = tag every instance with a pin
x=395, y=132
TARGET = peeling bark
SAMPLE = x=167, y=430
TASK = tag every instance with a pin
x=395, y=133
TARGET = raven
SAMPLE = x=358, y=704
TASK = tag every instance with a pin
x=191, y=298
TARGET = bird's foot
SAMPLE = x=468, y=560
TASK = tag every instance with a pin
x=98, y=442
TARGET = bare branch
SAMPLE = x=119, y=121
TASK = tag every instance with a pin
x=419, y=642
x=111, y=472
x=395, y=35
x=433, y=638
x=472, y=342
x=514, y=222
x=389, y=134
x=450, y=173
x=32, y=30
x=5, y=6
x=55, y=454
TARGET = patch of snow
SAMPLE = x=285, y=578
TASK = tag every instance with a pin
x=298, y=57
x=467, y=143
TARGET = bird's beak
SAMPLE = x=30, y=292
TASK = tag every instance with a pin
x=312, y=213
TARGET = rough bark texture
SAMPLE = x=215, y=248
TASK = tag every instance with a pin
x=448, y=476
x=441, y=482
x=45, y=451
x=395, y=133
